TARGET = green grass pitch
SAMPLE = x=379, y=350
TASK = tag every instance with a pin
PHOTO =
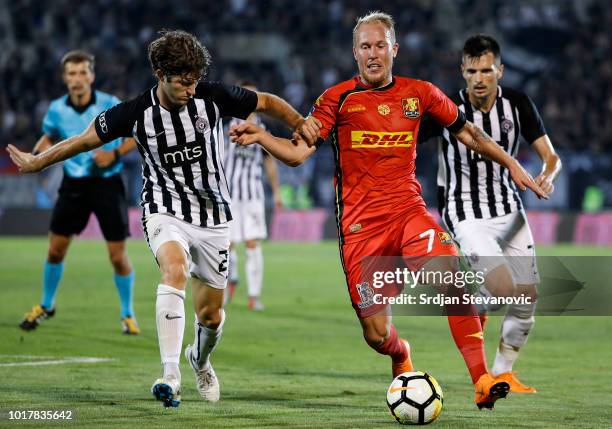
x=301, y=363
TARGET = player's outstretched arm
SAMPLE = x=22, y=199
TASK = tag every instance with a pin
x=551, y=163
x=479, y=141
x=278, y=108
x=104, y=158
x=28, y=163
x=43, y=143
x=290, y=152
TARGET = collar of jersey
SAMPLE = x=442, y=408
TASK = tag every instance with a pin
x=81, y=109
x=361, y=85
x=466, y=98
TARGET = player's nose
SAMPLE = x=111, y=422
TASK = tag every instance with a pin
x=191, y=90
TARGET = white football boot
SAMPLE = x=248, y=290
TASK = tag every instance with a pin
x=168, y=391
x=206, y=379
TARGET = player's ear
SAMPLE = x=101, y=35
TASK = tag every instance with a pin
x=500, y=71
x=395, y=49
x=159, y=74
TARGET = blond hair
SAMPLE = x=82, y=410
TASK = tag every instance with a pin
x=376, y=17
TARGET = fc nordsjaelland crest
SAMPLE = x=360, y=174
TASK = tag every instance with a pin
x=201, y=124
x=411, y=107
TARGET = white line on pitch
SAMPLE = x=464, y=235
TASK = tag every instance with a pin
x=59, y=361
x=26, y=357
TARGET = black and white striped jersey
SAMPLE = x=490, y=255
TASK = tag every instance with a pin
x=182, y=150
x=470, y=187
x=244, y=166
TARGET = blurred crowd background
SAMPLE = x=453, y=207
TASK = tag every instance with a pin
x=558, y=52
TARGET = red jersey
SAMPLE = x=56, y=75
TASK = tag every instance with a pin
x=374, y=134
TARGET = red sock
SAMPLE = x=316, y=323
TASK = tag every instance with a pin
x=393, y=347
x=467, y=333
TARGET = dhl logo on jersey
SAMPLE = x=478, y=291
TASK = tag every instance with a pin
x=378, y=139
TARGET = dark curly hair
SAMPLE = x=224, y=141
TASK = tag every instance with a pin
x=178, y=53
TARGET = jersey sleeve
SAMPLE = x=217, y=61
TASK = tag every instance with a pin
x=116, y=122
x=429, y=129
x=325, y=109
x=233, y=101
x=50, y=124
x=442, y=109
x=532, y=126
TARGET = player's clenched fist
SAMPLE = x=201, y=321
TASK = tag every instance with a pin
x=26, y=162
x=246, y=134
x=546, y=183
x=309, y=130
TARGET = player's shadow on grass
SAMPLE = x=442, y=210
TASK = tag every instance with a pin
x=288, y=400
x=358, y=376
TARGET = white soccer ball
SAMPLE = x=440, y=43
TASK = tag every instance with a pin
x=415, y=398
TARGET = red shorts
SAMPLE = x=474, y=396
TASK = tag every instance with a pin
x=412, y=240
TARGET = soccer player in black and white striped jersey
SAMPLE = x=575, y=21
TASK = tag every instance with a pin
x=480, y=205
x=185, y=197
x=243, y=166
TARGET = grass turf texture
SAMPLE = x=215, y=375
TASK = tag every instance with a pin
x=301, y=363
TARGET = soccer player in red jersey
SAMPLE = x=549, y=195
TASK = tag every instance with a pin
x=373, y=121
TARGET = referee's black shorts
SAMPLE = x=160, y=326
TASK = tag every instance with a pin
x=78, y=198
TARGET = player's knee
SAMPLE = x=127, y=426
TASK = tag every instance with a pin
x=120, y=261
x=210, y=316
x=175, y=274
x=374, y=335
x=528, y=291
x=251, y=244
x=55, y=255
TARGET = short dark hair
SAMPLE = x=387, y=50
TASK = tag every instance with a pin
x=78, y=56
x=178, y=53
x=479, y=44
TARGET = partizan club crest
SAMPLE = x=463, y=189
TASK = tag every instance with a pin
x=506, y=125
x=200, y=124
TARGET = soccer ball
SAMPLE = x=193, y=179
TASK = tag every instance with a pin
x=415, y=398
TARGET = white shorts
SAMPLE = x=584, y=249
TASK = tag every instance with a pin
x=207, y=248
x=489, y=243
x=249, y=221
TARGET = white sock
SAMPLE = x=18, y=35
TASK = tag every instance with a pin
x=254, y=270
x=233, y=266
x=205, y=342
x=515, y=331
x=170, y=318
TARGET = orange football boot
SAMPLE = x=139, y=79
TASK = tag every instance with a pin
x=406, y=365
x=489, y=390
x=515, y=385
